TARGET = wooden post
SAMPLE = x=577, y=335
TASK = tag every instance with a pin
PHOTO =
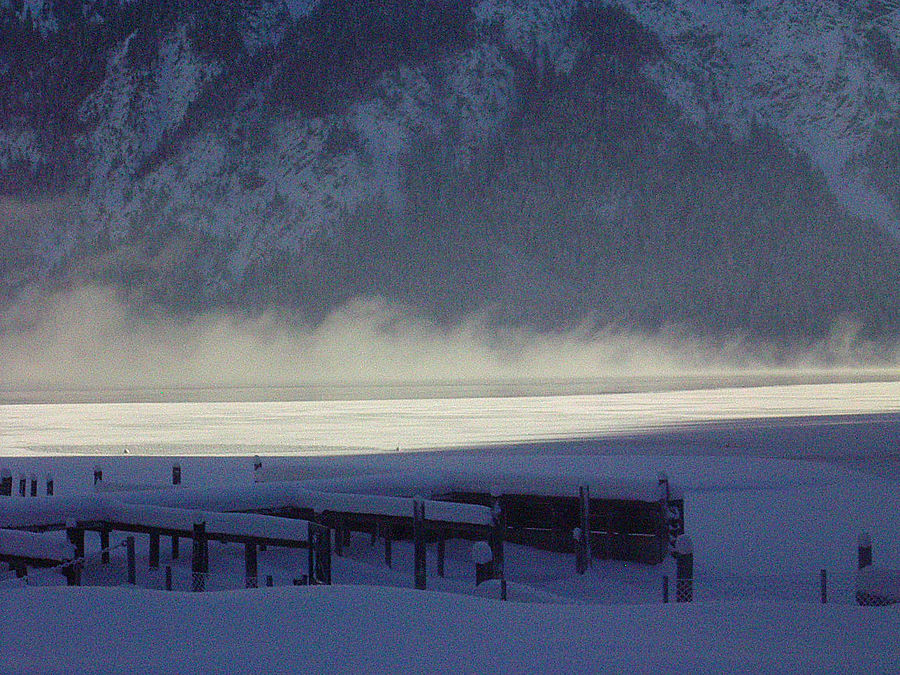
x=823, y=586
x=49, y=485
x=34, y=485
x=176, y=474
x=199, y=557
x=684, y=569
x=339, y=537
x=174, y=547
x=441, y=551
x=104, y=545
x=6, y=483
x=168, y=577
x=75, y=535
x=419, y=555
x=250, y=566
x=153, y=553
x=864, y=550
x=23, y=485
x=495, y=540
x=584, y=502
x=663, y=525
x=132, y=563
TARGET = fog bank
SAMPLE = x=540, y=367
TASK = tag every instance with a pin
x=86, y=338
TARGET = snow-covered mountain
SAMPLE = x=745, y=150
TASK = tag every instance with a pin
x=265, y=151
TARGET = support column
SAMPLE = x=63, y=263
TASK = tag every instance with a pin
x=199, y=557
x=419, y=555
x=250, y=567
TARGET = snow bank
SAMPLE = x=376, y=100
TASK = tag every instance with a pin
x=35, y=546
x=373, y=630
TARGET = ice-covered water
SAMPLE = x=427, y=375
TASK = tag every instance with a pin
x=388, y=424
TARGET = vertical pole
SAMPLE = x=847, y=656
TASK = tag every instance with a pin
x=864, y=550
x=441, y=552
x=168, y=577
x=250, y=566
x=684, y=561
x=174, y=547
x=75, y=535
x=323, y=557
x=419, y=558
x=6, y=483
x=153, y=553
x=22, y=485
x=49, y=485
x=312, y=542
x=199, y=557
x=34, y=485
x=662, y=533
x=176, y=474
x=823, y=586
x=584, y=499
x=339, y=537
x=132, y=564
x=497, y=534
x=104, y=545
x=665, y=588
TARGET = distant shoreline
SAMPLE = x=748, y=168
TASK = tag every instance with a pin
x=439, y=389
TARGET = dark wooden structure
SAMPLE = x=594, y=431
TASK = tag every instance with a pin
x=617, y=529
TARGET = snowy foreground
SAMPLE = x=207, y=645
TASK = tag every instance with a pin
x=363, y=629
x=768, y=504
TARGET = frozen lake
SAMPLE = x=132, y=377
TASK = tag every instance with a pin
x=316, y=427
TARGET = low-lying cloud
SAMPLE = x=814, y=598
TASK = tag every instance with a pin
x=86, y=338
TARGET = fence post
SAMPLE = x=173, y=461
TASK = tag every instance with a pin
x=6, y=483
x=176, y=474
x=250, y=566
x=153, y=551
x=132, y=564
x=663, y=526
x=583, y=541
x=419, y=554
x=49, y=485
x=684, y=569
x=23, y=485
x=199, y=557
x=168, y=577
x=104, y=546
x=864, y=550
x=34, y=485
x=823, y=586
x=75, y=535
x=498, y=532
x=665, y=588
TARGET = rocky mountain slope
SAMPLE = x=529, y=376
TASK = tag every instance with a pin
x=729, y=165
